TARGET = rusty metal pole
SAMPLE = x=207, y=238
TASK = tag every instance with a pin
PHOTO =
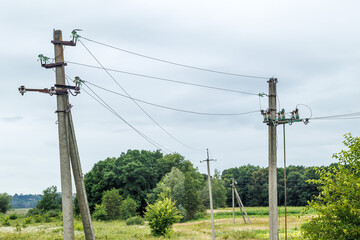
x=273, y=215
x=285, y=183
x=62, y=104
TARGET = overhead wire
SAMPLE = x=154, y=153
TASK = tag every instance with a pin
x=345, y=116
x=174, y=63
x=163, y=79
x=171, y=108
x=110, y=109
x=143, y=110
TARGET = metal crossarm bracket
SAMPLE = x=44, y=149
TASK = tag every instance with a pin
x=52, y=65
x=65, y=86
x=66, y=43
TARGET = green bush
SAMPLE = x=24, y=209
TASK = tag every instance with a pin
x=18, y=227
x=161, y=216
x=137, y=220
x=27, y=220
x=78, y=227
x=100, y=213
x=6, y=221
x=33, y=212
x=112, y=200
x=37, y=218
x=13, y=216
x=128, y=208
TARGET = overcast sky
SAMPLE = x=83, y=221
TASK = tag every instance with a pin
x=312, y=47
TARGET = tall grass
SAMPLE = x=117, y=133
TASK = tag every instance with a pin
x=118, y=230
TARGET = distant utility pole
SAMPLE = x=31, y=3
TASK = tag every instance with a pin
x=272, y=119
x=210, y=194
x=233, y=199
x=67, y=140
x=241, y=205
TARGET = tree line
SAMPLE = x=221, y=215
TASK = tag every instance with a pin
x=141, y=176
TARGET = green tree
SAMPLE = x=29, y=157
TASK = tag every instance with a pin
x=338, y=204
x=112, y=201
x=241, y=175
x=134, y=173
x=51, y=200
x=128, y=208
x=172, y=184
x=258, y=188
x=218, y=191
x=161, y=216
x=191, y=198
x=4, y=202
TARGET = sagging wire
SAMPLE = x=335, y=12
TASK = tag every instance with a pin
x=174, y=63
x=171, y=108
x=164, y=79
x=110, y=109
x=169, y=134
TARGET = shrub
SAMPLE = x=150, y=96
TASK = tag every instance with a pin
x=6, y=221
x=52, y=214
x=33, y=212
x=128, y=208
x=100, y=213
x=78, y=227
x=137, y=220
x=13, y=216
x=161, y=216
x=111, y=201
x=37, y=218
x=27, y=220
x=18, y=227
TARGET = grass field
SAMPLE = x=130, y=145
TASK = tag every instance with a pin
x=199, y=229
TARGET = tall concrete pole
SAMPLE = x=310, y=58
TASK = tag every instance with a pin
x=210, y=196
x=79, y=182
x=233, y=200
x=273, y=215
x=62, y=104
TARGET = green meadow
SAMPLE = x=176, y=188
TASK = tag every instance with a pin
x=32, y=228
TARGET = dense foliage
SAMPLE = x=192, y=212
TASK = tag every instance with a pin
x=338, y=204
x=161, y=216
x=50, y=201
x=252, y=184
x=4, y=202
x=113, y=207
x=218, y=192
x=25, y=200
x=134, y=173
x=183, y=188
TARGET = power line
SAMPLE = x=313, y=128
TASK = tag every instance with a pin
x=174, y=63
x=355, y=115
x=107, y=106
x=110, y=109
x=163, y=79
x=170, y=108
x=169, y=134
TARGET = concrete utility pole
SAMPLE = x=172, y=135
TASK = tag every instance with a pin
x=79, y=182
x=233, y=200
x=272, y=119
x=210, y=195
x=273, y=214
x=62, y=106
x=67, y=141
x=241, y=205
